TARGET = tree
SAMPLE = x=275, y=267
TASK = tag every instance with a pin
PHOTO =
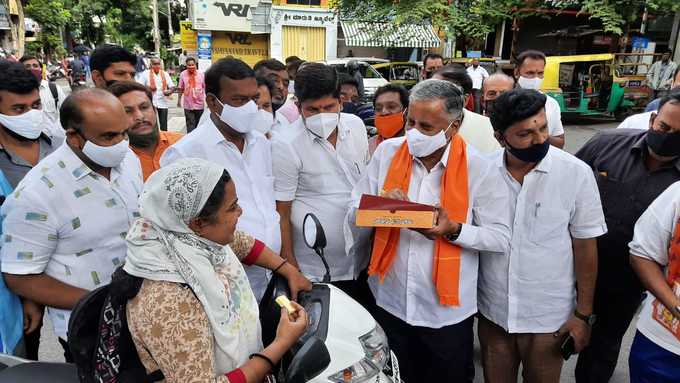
x=52, y=17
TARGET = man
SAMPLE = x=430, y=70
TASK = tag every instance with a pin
x=350, y=99
x=425, y=281
x=77, y=67
x=660, y=75
x=146, y=140
x=475, y=129
x=494, y=86
x=478, y=74
x=182, y=60
x=316, y=164
x=432, y=62
x=25, y=140
x=655, y=257
x=633, y=167
x=354, y=71
x=65, y=225
x=111, y=63
x=86, y=63
x=162, y=87
x=292, y=69
x=528, y=297
x=390, y=103
x=192, y=87
x=654, y=105
x=229, y=138
x=529, y=71
x=285, y=109
x=51, y=94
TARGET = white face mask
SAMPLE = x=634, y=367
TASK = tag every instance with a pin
x=530, y=83
x=106, y=156
x=322, y=124
x=28, y=125
x=263, y=121
x=239, y=118
x=421, y=145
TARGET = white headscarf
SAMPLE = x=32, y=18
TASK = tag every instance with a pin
x=162, y=247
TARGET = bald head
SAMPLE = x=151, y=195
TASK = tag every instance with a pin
x=494, y=86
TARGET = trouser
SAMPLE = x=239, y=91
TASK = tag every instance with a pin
x=477, y=96
x=192, y=117
x=68, y=357
x=163, y=119
x=430, y=354
x=614, y=310
x=32, y=343
x=502, y=354
x=650, y=363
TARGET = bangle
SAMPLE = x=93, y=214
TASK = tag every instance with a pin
x=280, y=266
x=263, y=357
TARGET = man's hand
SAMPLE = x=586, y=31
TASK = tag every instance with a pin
x=444, y=226
x=33, y=315
x=397, y=194
x=579, y=330
x=296, y=281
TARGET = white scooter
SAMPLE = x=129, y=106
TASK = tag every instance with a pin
x=342, y=344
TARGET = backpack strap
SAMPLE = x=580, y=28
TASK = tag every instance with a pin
x=55, y=93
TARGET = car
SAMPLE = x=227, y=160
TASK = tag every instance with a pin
x=400, y=73
x=372, y=78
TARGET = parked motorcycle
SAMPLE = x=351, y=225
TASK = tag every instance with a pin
x=342, y=344
x=55, y=72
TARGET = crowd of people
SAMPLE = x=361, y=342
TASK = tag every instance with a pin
x=545, y=250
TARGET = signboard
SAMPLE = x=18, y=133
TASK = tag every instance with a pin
x=204, y=45
x=640, y=42
x=188, y=36
x=245, y=46
x=223, y=15
x=303, y=17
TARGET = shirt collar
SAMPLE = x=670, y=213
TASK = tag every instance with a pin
x=213, y=135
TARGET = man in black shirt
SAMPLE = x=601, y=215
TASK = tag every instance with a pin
x=632, y=168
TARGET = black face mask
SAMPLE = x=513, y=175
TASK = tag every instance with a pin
x=429, y=74
x=663, y=144
x=534, y=153
x=489, y=107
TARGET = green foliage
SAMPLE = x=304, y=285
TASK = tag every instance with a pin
x=52, y=17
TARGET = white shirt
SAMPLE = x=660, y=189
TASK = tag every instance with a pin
x=70, y=223
x=159, y=99
x=477, y=75
x=252, y=175
x=319, y=178
x=408, y=291
x=651, y=240
x=47, y=101
x=531, y=289
x=477, y=131
x=554, y=116
x=636, y=121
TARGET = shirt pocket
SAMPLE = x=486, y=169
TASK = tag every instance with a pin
x=549, y=226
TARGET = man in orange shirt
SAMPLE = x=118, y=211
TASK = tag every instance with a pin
x=146, y=140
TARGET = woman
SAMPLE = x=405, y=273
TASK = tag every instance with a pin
x=195, y=317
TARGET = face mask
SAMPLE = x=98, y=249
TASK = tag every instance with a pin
x=263, y=121
x=191, y=70
x=27, y=125
x=429, y=74
x=530, y=83
x=322, y=124
x=421, y=145
x=663, y=144
x=488, y=107
x=106, y=156
x=533, y=153
x=388, y=126
x=37, y=73
x=239, y=118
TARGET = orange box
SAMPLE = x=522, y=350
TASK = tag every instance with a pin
x=386, y=212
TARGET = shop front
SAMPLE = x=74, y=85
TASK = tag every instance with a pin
x=308, y=33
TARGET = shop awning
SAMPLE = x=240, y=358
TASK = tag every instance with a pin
x=364, y=34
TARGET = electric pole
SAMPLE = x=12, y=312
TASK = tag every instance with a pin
x=156, y=32
x=170, y=23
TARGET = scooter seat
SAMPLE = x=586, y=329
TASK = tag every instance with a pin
x=40, y=372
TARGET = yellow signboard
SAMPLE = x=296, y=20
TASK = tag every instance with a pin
x=245, y=46
x=188, y=35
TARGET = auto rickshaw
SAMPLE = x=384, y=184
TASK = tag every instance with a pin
x=399, y=73
x=594, y=86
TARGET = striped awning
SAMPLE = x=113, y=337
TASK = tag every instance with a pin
x=388, y=35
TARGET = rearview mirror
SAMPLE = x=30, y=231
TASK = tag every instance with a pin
x=311, y=360
x=312, y=231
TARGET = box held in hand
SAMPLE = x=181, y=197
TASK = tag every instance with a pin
x=377, y=211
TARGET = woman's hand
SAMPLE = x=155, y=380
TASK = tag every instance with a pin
x=291, y=326
x=296, y=281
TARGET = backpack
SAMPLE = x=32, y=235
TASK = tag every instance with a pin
x=99, y=338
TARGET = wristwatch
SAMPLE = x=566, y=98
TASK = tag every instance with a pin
x=451, y=237
x=589, y=319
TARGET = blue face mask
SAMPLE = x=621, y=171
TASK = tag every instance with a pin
x=534, y=153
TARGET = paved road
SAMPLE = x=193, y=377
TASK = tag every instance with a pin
x=577, y=135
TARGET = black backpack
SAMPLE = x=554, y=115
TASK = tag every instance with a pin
x=99, y=338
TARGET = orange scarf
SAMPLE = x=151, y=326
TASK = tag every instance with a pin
x=152, y=81
x=674, y=256
x=454, y=198
x=192, y=80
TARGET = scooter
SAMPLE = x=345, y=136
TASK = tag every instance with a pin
x=342, y=344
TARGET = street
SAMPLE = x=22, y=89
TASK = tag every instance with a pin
x=576, y=136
